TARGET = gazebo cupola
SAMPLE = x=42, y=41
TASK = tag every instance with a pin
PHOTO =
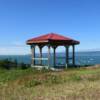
x=52, y=40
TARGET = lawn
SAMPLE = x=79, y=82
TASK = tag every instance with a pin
x=31, y=84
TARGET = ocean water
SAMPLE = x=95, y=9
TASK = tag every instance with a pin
x=82, y=58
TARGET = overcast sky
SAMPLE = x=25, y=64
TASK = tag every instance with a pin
x=23, y=19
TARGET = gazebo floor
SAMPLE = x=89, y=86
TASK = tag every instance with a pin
x=56, y=68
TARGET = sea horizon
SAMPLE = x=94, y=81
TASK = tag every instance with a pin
x=50, y=52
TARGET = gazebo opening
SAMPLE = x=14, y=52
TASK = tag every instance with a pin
x=52, y=59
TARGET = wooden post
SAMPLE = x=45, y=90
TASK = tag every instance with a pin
x=33, y=54
x=49, y=56
x=67, y=56
x=73, y=58
x=40, y=62
x=54, y=55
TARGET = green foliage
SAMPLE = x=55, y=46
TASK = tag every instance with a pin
x=5, y=64
x=9, y=64
x=23, y=66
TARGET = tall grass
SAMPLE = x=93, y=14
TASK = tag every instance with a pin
x=32, y=84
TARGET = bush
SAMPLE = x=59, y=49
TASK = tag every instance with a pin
x=8, y=64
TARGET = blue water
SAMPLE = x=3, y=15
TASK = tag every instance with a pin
x=82, y=58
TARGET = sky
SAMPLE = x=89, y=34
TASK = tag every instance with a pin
x=21, y=20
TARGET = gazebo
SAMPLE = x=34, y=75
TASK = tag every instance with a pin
x=51, y=40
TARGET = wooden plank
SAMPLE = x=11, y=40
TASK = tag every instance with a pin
x=40, y=58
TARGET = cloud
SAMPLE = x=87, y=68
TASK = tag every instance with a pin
x=16, y=47
x=18, y=44
x=14, y=50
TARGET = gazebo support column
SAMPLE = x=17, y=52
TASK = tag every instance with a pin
x=67, y=56
x=40, y=61
x=54, y=48
x=49, y=56
x=73, y=58
x=33, y=54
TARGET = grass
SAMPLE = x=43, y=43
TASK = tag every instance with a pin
x=31, y=84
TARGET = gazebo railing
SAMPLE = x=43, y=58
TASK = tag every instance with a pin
x=41, y=61
x=44, y=60
x=40, y=58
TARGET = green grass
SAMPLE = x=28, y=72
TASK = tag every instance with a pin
x=31, y=84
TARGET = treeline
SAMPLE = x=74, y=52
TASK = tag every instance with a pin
x=9, y=64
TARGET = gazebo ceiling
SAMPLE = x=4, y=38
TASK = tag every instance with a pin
x=53, y=39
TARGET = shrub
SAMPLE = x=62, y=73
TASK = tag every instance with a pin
x=6, y=64
x=9, y=64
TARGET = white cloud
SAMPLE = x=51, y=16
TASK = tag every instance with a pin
x=18, y=44
x=14, y=50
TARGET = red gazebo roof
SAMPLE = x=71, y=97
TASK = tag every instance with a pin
x=52, y=37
